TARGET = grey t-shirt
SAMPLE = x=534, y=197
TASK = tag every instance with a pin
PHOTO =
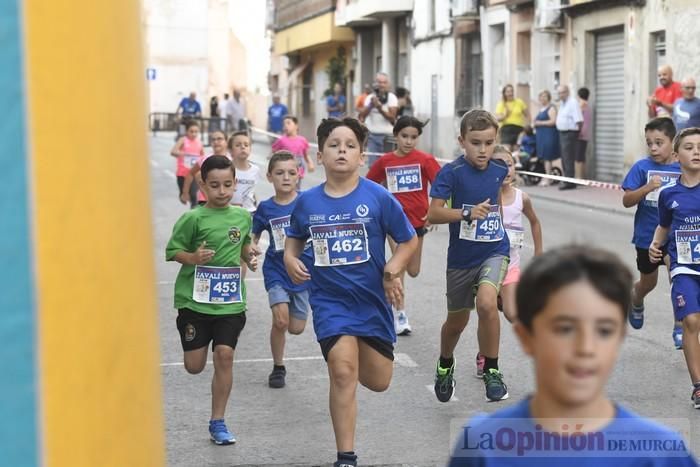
x=686, y=113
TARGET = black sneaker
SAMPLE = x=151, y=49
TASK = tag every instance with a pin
x=444, y=382
x=276, y=379
x=496, y=390
x=345, y=463
x=696, y=397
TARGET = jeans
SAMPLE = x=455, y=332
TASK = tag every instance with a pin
x=568, y=141
x=375, y=144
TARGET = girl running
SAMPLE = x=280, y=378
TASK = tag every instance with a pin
x=188, y=149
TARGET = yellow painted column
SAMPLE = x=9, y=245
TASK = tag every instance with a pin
x=100, y=393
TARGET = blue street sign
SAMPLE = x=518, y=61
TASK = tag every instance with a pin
x=150, y=74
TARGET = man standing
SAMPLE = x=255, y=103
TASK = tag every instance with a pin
x=661, y=102
x=235, y=111
x=569, y=122
x=335, y=103
x=686, y=110
x=189, y=107
x=275, y=115
x=379, y=114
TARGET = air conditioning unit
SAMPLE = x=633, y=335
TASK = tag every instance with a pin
x=548, y=15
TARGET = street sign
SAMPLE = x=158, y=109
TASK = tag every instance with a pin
x=150, y=74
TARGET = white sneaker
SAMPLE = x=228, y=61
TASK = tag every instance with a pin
x=401, y=324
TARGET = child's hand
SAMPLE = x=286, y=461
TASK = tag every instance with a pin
x=203, y=255
x=654, y=183
x=184, y=199
x=481, y=210
x=298, y=272
x=252, y=259
x=655, y=253
x=393, y=290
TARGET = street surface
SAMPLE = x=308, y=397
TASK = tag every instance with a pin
x=405, y=426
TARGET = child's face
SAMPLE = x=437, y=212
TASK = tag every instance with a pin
x=218, y=143
x=219, y=187
x=193, y=132
x=574, y=343
x=240, y=148
x=660, y=146
x=284, y=176
x=689, y=153
x=290, y=128
x=508, y=160
x=342, y=153
x=407, y=139
x=478, y=146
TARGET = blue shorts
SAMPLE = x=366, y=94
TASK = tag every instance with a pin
x=298, y=302
x=685, y=294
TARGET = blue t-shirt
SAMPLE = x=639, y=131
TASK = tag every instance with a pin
x=647, y=216
x=465, y=185
x=273, y=218
x=527, y=144
x=679, y=209
x=686, y=113
x=275, y=117
x=508, y=437
x=190, y=106
x=332, y=101
x=348, y=236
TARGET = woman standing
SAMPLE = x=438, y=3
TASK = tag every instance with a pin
x=512, y=114
x=546, y=135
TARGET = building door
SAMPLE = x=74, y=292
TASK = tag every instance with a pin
x=609, y=98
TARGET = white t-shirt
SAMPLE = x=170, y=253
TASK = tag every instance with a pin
x=245, y=187
x=376, y=123
x=569, y=115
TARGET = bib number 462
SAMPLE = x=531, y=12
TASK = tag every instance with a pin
x=347, y=245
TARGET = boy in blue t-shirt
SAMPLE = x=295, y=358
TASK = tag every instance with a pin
x=572, y=303
x=289, y=302
x=642, y=185
x=352, y=286
x=679, y=230
x=477, y=257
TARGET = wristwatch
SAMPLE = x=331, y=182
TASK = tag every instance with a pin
x=467, y=215
x=390, y=276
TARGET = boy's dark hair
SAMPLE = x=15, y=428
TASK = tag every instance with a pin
x=584, y=93
x=565, y=265
x=663, y=124
x=682, y=134
x=234, y=135
x=214, y=163
x=405, y=122
x=191, y=123
x=279, y=156
x=292, y=118
x=327, y=125
x=477, y=120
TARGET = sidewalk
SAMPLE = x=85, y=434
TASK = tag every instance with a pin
x=599, y=199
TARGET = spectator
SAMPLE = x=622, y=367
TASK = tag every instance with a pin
x=379, y=115
x=405, y=103
x=335, y=103
x=512, y=114
x=275, y=115
x=661, y=102
x=360, y=101
x=236, y=112
x=686, y=110
x=569, y=122
x=223, y=106
x=585, y=134
x=214, y=107
x=546, y=135
x=189, y=107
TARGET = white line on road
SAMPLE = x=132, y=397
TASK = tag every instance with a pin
x=431, y=390
x=169, y=173
x=403, y=359
x=154, y=163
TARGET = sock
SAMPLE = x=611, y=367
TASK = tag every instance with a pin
x=490, y=363
x=279, y=367
x=696, y=385
x=347, y=456
x=446, y=362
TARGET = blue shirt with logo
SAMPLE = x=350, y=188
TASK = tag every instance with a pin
x=511, y=437
x=273, y=218
x=464, y=184
x=348, y=237
x=679, y=209
x=275, y=117
x=332, y=101
x=190, y=107
x=686, y=113
x=647, y=216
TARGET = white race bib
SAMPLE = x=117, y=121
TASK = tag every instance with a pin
x=688, y=246
x=667, y=178
x=489, y=229
x=214, y=284
x=339, y=244
x=404, y=178
x=279, y=234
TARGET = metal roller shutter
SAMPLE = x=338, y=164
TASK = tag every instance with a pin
x=609, y=104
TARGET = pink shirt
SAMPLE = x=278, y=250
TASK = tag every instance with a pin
x=193, y=151
x=297, y=145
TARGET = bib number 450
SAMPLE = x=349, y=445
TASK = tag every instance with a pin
x=490, y=225
x=347, y=245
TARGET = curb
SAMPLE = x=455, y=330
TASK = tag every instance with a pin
x=613, y=210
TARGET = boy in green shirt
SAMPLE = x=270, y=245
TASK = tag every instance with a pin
x=210, y=295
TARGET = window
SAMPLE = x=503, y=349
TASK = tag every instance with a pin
x=658, y=56
x=470, y=80
x=431, y=14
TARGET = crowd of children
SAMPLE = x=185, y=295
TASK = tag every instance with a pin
x=326, y=255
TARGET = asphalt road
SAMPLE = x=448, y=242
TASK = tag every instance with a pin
x=406, y=425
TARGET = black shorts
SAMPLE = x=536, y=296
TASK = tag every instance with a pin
x=385, y=348
x=581, y=146
x=421, y=231
x=510, y=133
x=198, y=329
x=644, y=265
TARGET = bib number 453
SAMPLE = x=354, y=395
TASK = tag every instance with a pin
x=226, y=287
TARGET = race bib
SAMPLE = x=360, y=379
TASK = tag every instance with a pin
x=190, y=160
x=667, y=178
x=339, y=244
x=489, y=229
x=688, y=246
x=516, y=236
x=404, y=178
x=217, y=284
x=279, y=235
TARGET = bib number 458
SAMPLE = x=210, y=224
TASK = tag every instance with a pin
x=347, y=245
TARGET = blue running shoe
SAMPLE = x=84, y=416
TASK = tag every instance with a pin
x=636, y=316
x=219, y=433
x=677, y=337
x=496, y=389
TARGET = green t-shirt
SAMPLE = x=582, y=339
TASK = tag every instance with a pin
x=226, y=231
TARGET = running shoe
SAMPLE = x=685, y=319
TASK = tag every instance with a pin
x=219, y=433
x=636, y=316
x=695, y=396
x=345, y=463
x=401, y=324
x=496, y=389
x=444, y=382
x=678, y=337
x=276, y=378
x=480, y=362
